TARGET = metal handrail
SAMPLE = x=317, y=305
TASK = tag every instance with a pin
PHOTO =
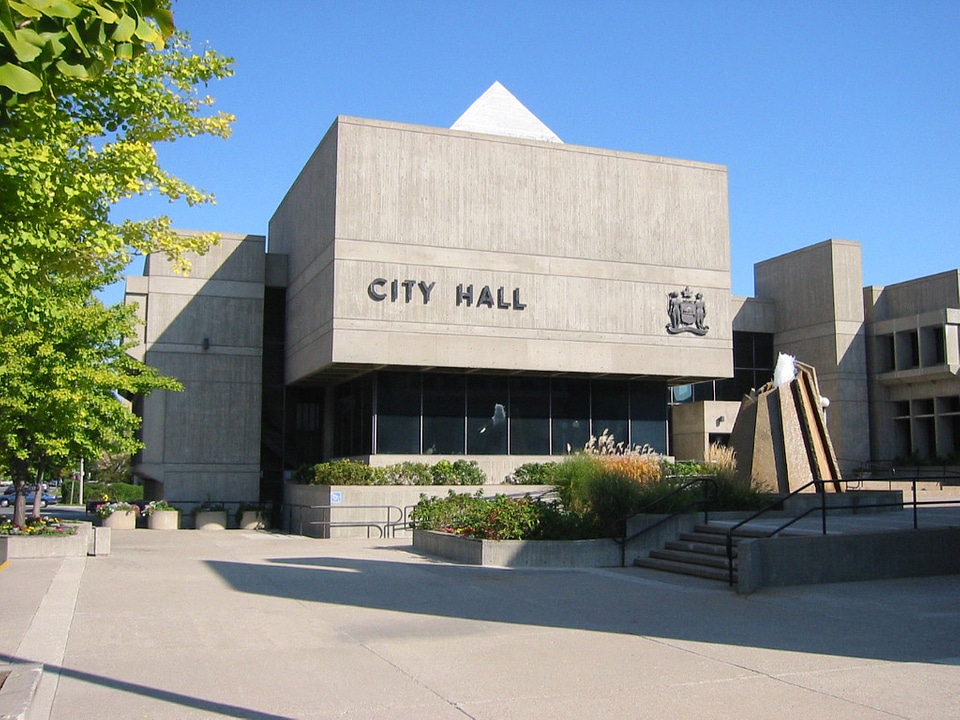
x=820, y=484
x=381, y=525
x=706, y=481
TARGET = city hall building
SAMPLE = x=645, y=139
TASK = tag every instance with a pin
x=489, y=292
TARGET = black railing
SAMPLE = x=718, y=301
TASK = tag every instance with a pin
x=387, y=525
x=823, y=507
x=709, y=488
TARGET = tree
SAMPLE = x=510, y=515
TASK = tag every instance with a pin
x=46, y=40
x=69, y=151
x=60, y=377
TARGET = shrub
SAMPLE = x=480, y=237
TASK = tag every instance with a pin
x=534, y=474
x=406, y=473
x=496, y=518
x=339, y=472
x=351, y=472
x=118, y=491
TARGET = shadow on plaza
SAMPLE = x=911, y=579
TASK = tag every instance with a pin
x=137, y=689
x=861, y=623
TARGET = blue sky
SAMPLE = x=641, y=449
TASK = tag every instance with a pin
x=834, y=119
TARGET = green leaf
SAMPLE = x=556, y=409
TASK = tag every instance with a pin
x=56, y=8
x=148, y=33
x=22, y=82
x=164, y=19
x=104, y=13
x=77, y=71
x=25, y=9
x=75, y=34
x=26, y=45
x=125, y=29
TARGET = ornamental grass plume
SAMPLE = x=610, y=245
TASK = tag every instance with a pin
x=636, y=462
x=721, y=462
x=639, y=468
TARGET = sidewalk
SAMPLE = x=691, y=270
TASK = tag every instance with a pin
x=237, y=624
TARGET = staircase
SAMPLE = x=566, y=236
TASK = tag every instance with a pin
x=702, y=553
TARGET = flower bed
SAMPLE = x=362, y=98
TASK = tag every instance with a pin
x=45, y=538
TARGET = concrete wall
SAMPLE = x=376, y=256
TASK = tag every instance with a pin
x=519, y=553
x=206, y=331
x=693, y=423
x=779, y=561
x=925, y=311
x=820, y=320
x=589, y=242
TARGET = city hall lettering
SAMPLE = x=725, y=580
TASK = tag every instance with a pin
x=405, y=291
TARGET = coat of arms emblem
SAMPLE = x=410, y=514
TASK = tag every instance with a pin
x=687, y=312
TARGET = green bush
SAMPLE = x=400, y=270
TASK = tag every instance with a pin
x=535, y=474
x=407, y=473
x=339, y=472
x=496, y=518
x=462, y=472
x=114, y=492
x=351, y=472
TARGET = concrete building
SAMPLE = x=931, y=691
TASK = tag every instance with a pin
x=490, y=292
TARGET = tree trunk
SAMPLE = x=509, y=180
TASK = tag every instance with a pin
x=38, y=495
x=21, y=473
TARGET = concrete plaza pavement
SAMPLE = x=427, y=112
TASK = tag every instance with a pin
x=236, y=624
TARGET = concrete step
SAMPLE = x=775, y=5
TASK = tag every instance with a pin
x=694, y=558
x=684, y=568
x=713, y=549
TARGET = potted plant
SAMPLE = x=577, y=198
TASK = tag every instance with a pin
x=210, y=515
x=252, y=516
x=118, y=515
x=161, y=515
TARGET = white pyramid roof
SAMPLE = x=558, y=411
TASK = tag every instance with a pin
x=498, y=112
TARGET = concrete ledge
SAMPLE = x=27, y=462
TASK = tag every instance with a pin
x=18, y=690
x=852, y=502
x=780, y=561
x=518, y=553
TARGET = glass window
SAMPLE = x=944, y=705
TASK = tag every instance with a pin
x=398, y=413
x=529, y=416
x=610, y=404
x=648, y=415
x=682, y=394
x=443, y=414
x=571, y=414
x=763, y=355
x=353, y=421
x=487, y=403
x=743, y=350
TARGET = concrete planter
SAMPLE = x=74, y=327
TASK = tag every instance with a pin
x=164, y=520
x=121, y=520
x=360, y=511
x=253, y=520
x=43, y=546
x=518, y=553
x=211, y=520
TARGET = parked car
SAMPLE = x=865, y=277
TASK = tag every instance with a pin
x=10, y=494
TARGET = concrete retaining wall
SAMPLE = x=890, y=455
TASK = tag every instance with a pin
x=359, y=511
x=779, y=561
x=518, y=553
